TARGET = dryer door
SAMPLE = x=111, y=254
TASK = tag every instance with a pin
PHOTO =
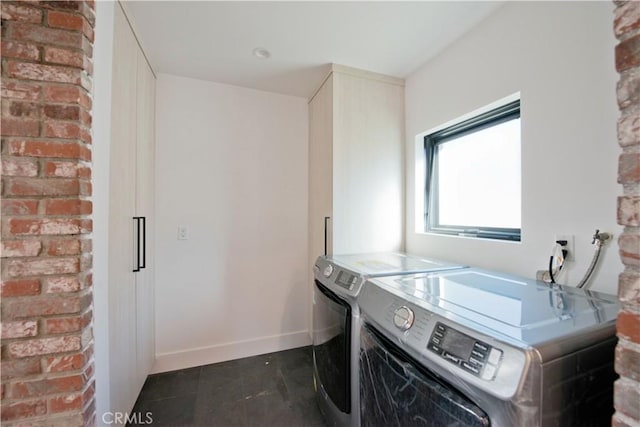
x=396, y=391
x=331, y=344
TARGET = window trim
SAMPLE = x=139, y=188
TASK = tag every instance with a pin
x=490, y=118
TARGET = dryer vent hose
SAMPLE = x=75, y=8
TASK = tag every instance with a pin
x=599, y=240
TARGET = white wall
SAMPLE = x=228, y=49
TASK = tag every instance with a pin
x=231, y=165
x=559, y=56
x=102, y=59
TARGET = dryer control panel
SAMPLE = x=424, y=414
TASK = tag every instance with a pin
x=474, y=356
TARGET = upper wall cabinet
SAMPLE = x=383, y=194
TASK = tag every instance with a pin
x=131, y=218
x=356, y=138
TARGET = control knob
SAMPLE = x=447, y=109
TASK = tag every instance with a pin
x=328, y=270
x=403, y=318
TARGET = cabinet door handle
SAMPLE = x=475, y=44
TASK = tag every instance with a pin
x=136, y=219
x=144, y=242
x=326, y=220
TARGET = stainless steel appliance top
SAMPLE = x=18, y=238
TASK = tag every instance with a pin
x=525, y=313
x=387, y=263
x=345, y=274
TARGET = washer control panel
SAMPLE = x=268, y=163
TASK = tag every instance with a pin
x=476, y=357
x=346, y=279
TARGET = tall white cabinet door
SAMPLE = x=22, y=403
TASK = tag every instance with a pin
x=320, y=169
x=368, y=143
x=122, y=290
x=145, y=191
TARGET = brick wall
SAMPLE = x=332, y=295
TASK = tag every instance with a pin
x=627, y=389
x=47, y=342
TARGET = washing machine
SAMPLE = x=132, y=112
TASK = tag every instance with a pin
x=478, y=348
x=336, y=320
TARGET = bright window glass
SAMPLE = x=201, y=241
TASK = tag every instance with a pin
x=474, y=176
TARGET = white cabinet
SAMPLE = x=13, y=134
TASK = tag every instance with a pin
x=131, y=192
x=356, y=139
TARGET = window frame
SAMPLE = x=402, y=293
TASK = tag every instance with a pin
x=504, y=113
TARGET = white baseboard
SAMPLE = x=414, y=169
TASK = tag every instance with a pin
x=229, y=351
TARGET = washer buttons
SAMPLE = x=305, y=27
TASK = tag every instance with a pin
x=494, y=356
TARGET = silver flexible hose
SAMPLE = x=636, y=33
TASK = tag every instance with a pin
x=598, y=239
x=592, y=266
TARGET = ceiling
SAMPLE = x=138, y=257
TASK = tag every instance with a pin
x=214, y=40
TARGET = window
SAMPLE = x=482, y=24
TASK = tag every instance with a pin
x=473, y=185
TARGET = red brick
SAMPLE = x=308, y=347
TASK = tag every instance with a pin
x=626, y=398
x=63, y=325
x=44, y=35
x=13, y=166
x=20, y=288
x=20, y=248
x=629, y=211
x=61, y=169
x=38, y=148
x=621, y=420
x=67, y=207
x=85, y=118
x=48, y=305
x=42, y=266
x=627, y=18
x=627, y=362
x=86, y=262
x=629, y=130
x=85, y=135
x=63, y=284
x=629, y=168
x=64, y=363
x=68, y=94
x=86, y=280
x=71, y=22
x=21, y=109
x=41, y=72
x=44, y=306
x=20, y=50
x=20, y=368
x=62, y=112
x=16, y=207
x=628, y=325
x=70, y=402
x=63, y=247
x=73, y=58
x=17, y=410
x=629, y=246
x=20, y=90
x=64, y=130
x=42, y=187
x=19, y=12
x=86, y=245
x=629, y=288
x=14, y=126
x=628, y=53
x=68, y=5
x=65, y=20
x=61, y=226
x=628, y=89
x=86, y=188
x=19, y=329
x=43, y=387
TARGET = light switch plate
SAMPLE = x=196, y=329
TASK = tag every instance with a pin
x=183, y=232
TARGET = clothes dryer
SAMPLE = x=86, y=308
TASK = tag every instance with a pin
x=336, y=320
x=478, y=348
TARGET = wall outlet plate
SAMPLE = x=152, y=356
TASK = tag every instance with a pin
x=571, y=255
x=183, y=232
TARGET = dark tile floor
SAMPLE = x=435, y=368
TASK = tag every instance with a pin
x=269, y=390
